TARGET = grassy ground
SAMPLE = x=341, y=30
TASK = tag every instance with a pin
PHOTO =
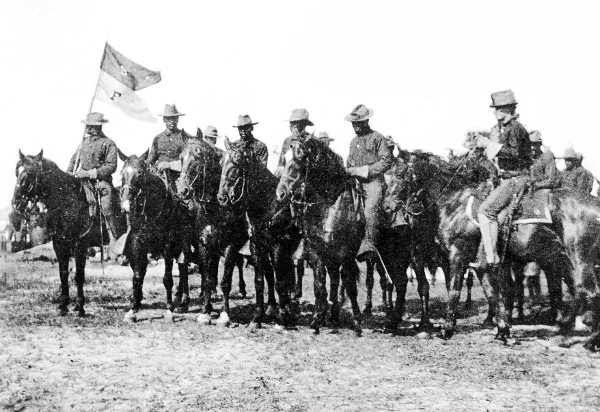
x=100, y=362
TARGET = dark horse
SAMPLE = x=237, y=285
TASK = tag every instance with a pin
x=40, y=180
x=246, y=192
x=326, y=209
x=159, y=224
x=197, y=188
x=565, y=250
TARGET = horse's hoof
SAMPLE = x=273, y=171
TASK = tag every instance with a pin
x=271, y=311
x=130, y=317
x=203, y=319
x=314, y=325
x=368, y=310
x=423, y=335
x=447, y=332
x=425, y=326
x=357, y=329
x=81, y=313
x=181, y=309
x=223, y=320
x=593, y=343
x=488, y=322
x=63, y=310
x=254, y=325
x=580, y=326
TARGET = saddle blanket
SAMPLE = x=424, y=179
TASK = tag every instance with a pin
x=532, y=209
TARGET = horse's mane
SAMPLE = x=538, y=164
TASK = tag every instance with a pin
x=328, y=166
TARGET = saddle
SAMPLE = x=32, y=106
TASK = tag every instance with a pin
x=533, y=208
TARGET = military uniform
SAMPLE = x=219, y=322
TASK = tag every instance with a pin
x=257, y=149
x=166, y=147
x=374, y=152
x=98, y=156
x=543, y=173
x=578, y=180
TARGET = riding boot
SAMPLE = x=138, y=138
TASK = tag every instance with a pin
x=489, y=238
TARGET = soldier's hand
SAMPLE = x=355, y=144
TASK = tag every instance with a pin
x=81, y=174
x=162, y=166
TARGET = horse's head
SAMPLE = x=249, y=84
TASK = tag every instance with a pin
x=133, y=177
x=310, y=164
x=29, y=170
x=237, y=164
x=199, y=164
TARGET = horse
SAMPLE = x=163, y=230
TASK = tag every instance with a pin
x=246, y=193
x=69, y=224
x=452, y=183
x=158, y=224
x=324, y=204
x=197, y=188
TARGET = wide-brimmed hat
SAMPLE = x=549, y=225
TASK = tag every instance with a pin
x=359, y=113
x=535, y=136
x=171, y=111
x=299, y=115
x=245, y=120
x=503, y=98
x=94, y=119
x=570, y=153
x=211, y=132
x=325, y=137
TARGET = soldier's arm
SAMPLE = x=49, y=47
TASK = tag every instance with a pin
x=71, y=166
x=263, y=155
x=110, y=162
x=385, y=159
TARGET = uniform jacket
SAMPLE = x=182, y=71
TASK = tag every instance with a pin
x=515, y=154
x=372, y=150
x=577, y=179
x=257, y=148
x=96, y=152
x=167, y=146
x=543, y=171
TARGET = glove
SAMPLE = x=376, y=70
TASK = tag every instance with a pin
x=362, y=171
x=86, y=174
x=175, y=165
x=162, y=166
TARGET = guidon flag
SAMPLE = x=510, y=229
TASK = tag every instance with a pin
x=119, y=80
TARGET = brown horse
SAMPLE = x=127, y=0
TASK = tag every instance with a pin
x=69, y=224
x=160, y=225
x=197, y=188
x=548, y=245
x=247, y=193
x=323, y=204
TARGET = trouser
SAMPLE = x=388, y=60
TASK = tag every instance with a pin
x=169, y=178
x=105, y=197
x=373, y=193
x=489, y=210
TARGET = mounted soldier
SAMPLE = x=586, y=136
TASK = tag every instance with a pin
x=513, y=160
x=298, y=121
x=251, y=144
x=543, y=172
x=369, y=158
x=94, y=163
x=167, y=146
x=211, y=134
x=575, y=177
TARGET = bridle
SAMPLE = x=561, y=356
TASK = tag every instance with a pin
x=191, y=184
x=241, y=180
x=30, y=193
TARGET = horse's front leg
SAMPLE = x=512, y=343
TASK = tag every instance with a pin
x=457, y=271
x=62, y=252
x=230, y=260
x=184, y=287
x=284, y=272
x=299, y=271
x=80, y=257
x=334, y=285
x=241, y=283
x=504, y=301
x=259, y=284
x=270, y=278
x=168, y=283
x=423, y=289
x=320, y=291
x=350, y=275
x=369, y=282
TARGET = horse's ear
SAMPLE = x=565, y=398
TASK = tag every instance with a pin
x=122, y=155
x=39, y=156
x=198, y=133
x=227, y=143
x=21, y=156
x=144, y=156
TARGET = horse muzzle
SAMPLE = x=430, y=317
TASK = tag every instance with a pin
x=126, y=205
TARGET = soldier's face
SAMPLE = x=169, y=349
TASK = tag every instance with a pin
x=503, y=112
x=536, y=149
x=171, y=122
x=297, y=128
x=360, y=128
x=246, y=131
x=92, y=130
x=569, y=164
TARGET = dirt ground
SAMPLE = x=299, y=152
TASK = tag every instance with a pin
x=102, y=363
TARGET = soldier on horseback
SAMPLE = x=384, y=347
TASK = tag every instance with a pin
x=543, y=172
x=298, y=122
x=514, y=160
x=251, y=144
x=369, y=158
x=575, y=177
x=94, y=162
x=167, y=146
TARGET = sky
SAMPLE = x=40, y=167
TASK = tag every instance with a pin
x=426, y=68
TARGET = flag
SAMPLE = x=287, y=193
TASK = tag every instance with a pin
x=119, y=79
